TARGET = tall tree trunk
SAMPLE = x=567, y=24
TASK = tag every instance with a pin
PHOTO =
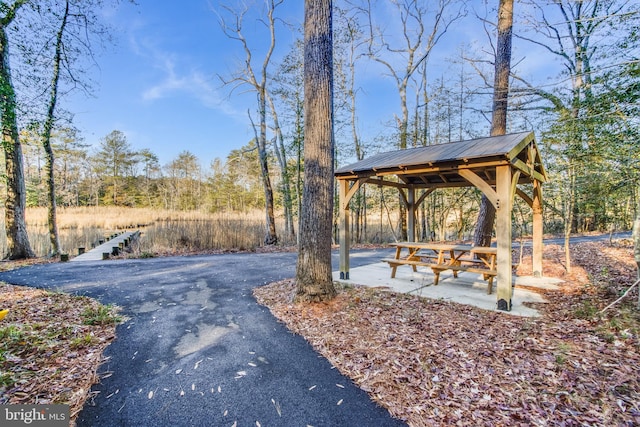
x=46, y=138
x=271, y=237
x=299, y=142
x=313, y=273
x=17, y=238
x=487, y=213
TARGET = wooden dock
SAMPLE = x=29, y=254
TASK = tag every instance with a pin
x=111, y=247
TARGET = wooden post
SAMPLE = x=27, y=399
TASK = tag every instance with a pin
x=538, y=247
x=503, y=237
x=343, y=189
x=411, y=213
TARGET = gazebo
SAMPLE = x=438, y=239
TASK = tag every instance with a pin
x=498, y=166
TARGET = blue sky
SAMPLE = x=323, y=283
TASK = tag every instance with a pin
x=159, y=82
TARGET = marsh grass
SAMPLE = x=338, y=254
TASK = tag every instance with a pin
x=162, y=231
x=222, y=232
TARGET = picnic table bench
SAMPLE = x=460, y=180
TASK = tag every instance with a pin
x=441, y=257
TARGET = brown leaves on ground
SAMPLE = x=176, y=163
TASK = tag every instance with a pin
x=440, y=363
x=51, y=345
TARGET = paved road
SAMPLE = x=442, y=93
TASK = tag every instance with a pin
x=581, y=239
x=198, y=350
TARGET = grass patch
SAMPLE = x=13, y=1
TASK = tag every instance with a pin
x=586, y=310
x=101, y=315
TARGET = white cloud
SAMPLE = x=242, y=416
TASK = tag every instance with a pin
x=179, y=77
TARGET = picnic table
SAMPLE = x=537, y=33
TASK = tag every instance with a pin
x=442, y=256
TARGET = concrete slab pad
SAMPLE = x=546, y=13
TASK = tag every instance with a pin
x=467, y=288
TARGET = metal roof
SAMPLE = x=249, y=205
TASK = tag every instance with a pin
x=506, y=147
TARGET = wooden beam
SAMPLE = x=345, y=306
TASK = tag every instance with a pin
x=482, y=185
x=538, y=245
x=424, y=196
x=528, y=170
x=503, y=237
x=522, y=145
x=514, y=183
x=525, y=197
x=538, y=165
x=355, y=187
x=384, y=182
x=411, y=214
x=460, y=184
x=344, y=237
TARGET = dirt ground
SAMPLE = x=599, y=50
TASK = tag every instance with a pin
x=51, y=345
x=440, y=363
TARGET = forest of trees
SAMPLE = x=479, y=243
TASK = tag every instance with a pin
x=585, y=114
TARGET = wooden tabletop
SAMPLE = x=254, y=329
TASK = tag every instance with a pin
x=446, y=247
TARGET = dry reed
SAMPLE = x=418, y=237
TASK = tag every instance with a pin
x=162, y=231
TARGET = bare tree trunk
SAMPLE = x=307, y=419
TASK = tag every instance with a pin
x=271, y=237
x=281, y=155
x=313, y=273
x=487, y=213
x=299, y=142
x=46, y=138
x=17, y=238
x=361, y=200
x=259, y=84
x=413, y=51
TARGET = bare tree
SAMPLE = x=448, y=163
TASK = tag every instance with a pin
x=405, y=58
x=349, y=39
x=313, y=273
x=17, y=238
x=46, y=134
x=77, y=22
x=487, y=213
x=258, y=83
x=289, y=88
x=281, y=155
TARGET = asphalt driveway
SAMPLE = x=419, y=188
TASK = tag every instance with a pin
x=197, y=350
